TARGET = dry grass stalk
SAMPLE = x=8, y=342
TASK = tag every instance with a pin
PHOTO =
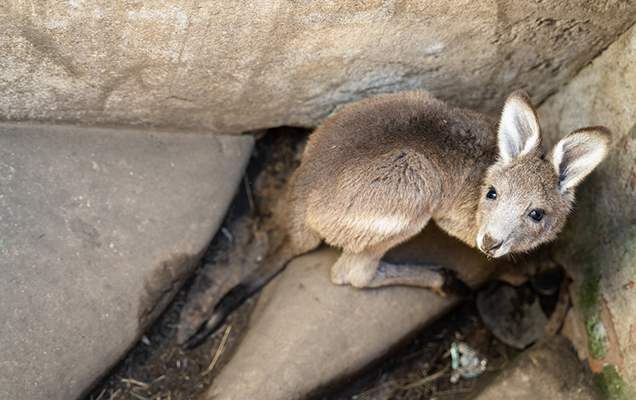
x=458, y=391
x=101, y=394
x=138, y=396
x=250, y=197
x=424, y=380
x=162, y=377
x=135, y=382
x=218, y=351
x=419, y=352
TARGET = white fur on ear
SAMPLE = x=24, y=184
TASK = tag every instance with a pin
x=577, y=154
x=519, y=130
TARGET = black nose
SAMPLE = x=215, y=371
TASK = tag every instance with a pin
x=490, y=245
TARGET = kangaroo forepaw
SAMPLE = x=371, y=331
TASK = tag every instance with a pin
x=453, y=285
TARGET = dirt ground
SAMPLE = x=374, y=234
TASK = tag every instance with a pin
x=422, y=369
x=157, y=368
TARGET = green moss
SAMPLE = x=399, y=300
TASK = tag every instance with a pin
x=600, y=238
x=597, y=340
x=610, y=385
x=587, y=290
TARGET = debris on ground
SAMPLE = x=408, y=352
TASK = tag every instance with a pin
x=466, y=362
x=423, y=369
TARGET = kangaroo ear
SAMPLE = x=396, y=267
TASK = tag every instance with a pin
x=577, y=154
x=519, y=131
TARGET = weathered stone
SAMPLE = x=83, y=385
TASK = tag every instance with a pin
x=308, y=336
x=598, y=245
x=549, y=370
x=228, y=66
x=98, y=230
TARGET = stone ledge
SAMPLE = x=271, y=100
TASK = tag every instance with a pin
x=98, y=230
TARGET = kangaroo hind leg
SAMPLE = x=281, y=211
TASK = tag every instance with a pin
x=366, y=269
x=356, y=269
x=439, y=280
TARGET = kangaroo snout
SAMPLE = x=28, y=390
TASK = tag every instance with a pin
x=490, y=245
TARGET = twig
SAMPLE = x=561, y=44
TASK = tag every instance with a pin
x=114, y=395
x=417, y=383
x=138, y=396
x=458, y=391
x=419, y=352
x=248, y=189
x=374, y=389
x=218, y=351
x=169, y=357
x=425, y=379
x=162, y=377
x=142, y=385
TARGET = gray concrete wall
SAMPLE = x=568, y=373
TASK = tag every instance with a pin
x=228, y=66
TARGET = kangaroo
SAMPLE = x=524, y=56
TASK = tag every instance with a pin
x=375, y=173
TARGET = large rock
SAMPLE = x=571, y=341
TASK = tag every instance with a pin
x=229, y=66
x=98, y=230
x=308, y=336
x=549, y=370
x=599, y=243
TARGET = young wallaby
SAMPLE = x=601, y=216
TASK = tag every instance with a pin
x=374, y=174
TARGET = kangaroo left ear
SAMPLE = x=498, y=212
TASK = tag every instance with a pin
x=519, y=131
x=577, y=154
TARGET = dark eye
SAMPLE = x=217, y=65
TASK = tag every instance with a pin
x=536, y=215
x=492, y=194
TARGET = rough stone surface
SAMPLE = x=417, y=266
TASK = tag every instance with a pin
x=549, y=370
x=598, y=245
x=308, y=336
x=98, y=230
x=228, y=66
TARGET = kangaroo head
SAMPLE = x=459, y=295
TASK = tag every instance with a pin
x=526, y=195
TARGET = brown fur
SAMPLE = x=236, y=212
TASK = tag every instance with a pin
x=375, y=173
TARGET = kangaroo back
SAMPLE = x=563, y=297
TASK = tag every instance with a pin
x=387, y=164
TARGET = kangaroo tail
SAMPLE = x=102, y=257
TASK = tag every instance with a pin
x=271, y=266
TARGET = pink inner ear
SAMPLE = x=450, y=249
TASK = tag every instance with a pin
x=576, y=155
x=519, y=130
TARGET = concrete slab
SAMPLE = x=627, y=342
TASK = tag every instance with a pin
x=98, y=230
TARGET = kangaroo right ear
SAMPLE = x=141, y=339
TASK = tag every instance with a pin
x=577, y=154
x=519, y=131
